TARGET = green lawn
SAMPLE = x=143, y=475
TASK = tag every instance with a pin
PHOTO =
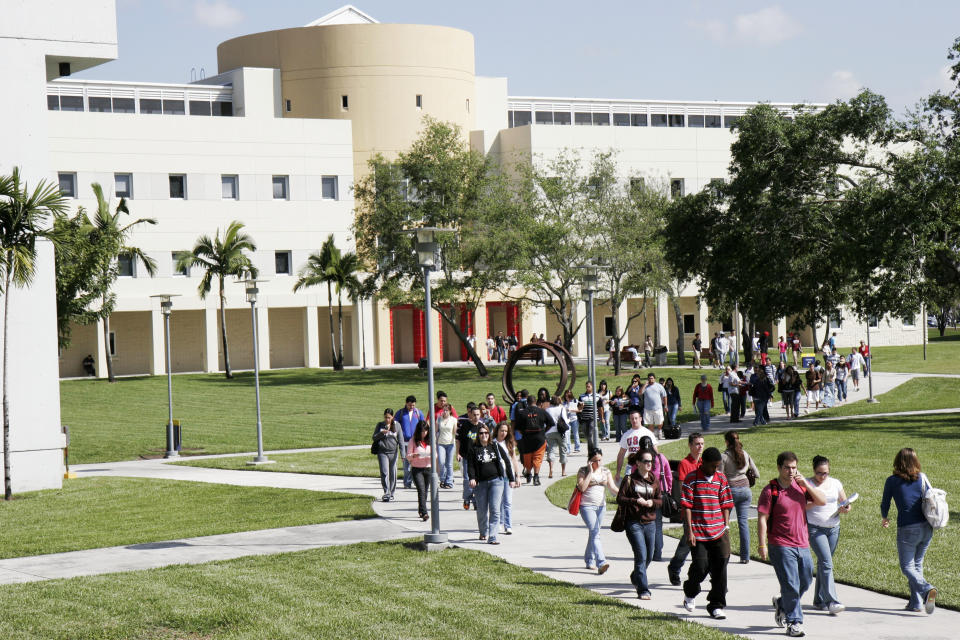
x=89, y=513
x=339, y=462
x=369, y=591
x=861, y=454
x=913, y=395
x=943, y=355
x=301, y=407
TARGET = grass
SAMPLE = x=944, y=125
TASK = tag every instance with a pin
x=90, y=513
x=302, y=408
x=861, y=454
x=367, y=591
x=339, y=462
x=913, y=395
x=943, y=355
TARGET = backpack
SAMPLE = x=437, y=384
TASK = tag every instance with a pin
x=935, y=508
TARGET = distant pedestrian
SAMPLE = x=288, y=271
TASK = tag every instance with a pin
x=508, y=451
x=557, y=439
x=703, y=402
x=856, y=363
x=532, y=422
x=823, y=525
x=639, y=498
x=865, y=354
x=409, y=417
x=654, y=405
x=674, y=402
x=446, y=445
x=388, y=443
x=592, y=480
x=619, y=409
x=737, y=466
x=697, y=346
x=418, y=453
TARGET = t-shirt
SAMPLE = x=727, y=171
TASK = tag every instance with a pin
x=697, y=344
x=653, y=395
x=498, y=414
x=466, y=435
x=446, y=430
x=687, y=466
x=813, y=381
x=795, y=343
x=634, y=394
x=594, y=495
x=787, y=523
x=630, y=441
x=556, y=412
x=532, y=422
x=707, y=498
x=587, y=413
x=823, y=516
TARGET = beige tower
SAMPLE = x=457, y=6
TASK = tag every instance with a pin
x=383, y=77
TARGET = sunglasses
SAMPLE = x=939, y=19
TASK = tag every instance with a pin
x=646, y=461
x=480, y=433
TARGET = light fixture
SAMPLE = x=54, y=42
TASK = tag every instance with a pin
x=166, y=308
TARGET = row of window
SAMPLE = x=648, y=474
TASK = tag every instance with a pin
x=229, y=186
x=146, y=105
x=522, y=118
x=127, y=264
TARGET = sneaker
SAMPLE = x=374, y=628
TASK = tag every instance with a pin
x=689, y=604
x=483, y=537
x=385, y=498
x=602, y=569
x=644, y=595
x=590, y=567
x=795, y=630
x=466, y=505
x=835, y=608
x=508, y=531
x=930, y=600
x=675, y=579
x=493, y=541
x=717, y=614
x=536, y=480
x=778, y=616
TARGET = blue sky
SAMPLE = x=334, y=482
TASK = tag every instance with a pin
x=680, y=50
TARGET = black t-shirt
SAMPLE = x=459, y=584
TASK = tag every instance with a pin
x=697, y=343
x=532, y=422
x=467, y=435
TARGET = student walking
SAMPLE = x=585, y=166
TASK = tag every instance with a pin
x=388, y=443
x=823, y=525
x=592, y=480
x=446, y=443
x=906, y=488
x=418, y=454
x=619, y=407
x=488, y=474
x=508, y=453
x=688, y=465
x=738, y=466
x=639, y=499
x=703, y=402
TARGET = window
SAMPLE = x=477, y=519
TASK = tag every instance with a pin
x=112, y=344
x=100, y=105
x=712, y=122
x=543, y=117
x=468, y=105
x=200, y=108
x=561, y=117
x=873, y=322
x=608, y=326
x=328, y=186
x=521, y=118
x=621, y=119
x=123, y=185
x=71, y=103
x=175, y=258
x=68, y=184
x=729, y=121
x=636, y=186
x=835, y=320
x=688, y=323
x=638, y=119
x=344, y=102
x=601, y=119
x=126, y=266
x=908, y=321
x=223, y=109
x=150, y=105
x=419, y=101
x=593, y=187
x=676, y=120
x=658, y=120
x=289, y=106
x=280, y=187
x=53, y=103
x=178, y=186
x=124, y=105
x=282, y=263
x=695, y=122
x=173, y=107
x=727, y=325
x=676, y=188
x=228, y=187
x=583, y=118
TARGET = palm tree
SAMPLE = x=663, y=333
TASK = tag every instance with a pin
x=343, y=275
x=112, y=240
x=222, y=257
x=359, y=290
x=22, y=217
x=318, y=271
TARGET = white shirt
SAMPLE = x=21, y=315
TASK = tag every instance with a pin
x=823, y=516
x=630, y=441
x=724, y=344
x=556, y=413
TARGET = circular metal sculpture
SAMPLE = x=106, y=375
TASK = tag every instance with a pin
x=568, y=372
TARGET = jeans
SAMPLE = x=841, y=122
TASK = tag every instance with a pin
x=641, y=537
x=421, y=479
x=912, y=543
x=726, y=400
x=783, y=357
x=842, y=389
x=794, y=568
x=467, y=489
x=829, y=388
x=506, y=506
x=796, y=402
x=589, y=432
x=592, y=516
x=759, y=407
x=823, y=542
x=658, y=537
x=574, y=433
x=445, y=457
x=605, y=427
x=620, y=424
x=703, y=407
x=679, y=555
x=866, y=369
x=709, y=558
x=672, y=410
x=489, y=496
x=388, y=472
x=741, y=500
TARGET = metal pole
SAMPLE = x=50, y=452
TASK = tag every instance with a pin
x=923, y=325
x=256, y=381
x=591, y=371
x=363, y=343
x=736, y=332
x=434, y=537
x=171, y=452
x=870, y=367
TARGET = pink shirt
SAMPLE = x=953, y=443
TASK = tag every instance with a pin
x=787, y=524
x=422, y=459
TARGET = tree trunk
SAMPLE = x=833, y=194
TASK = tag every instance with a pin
x=106, y=346
x=223, y=332
x=333, y=339
x=681, y=357
x=339, y=364
x=941, y=322
x=813, y=328
x=616, y=337
x=471, y=352
x=7, y=482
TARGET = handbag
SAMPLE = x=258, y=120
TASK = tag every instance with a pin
x=751, y=476
x=573, y=507
x=935, y=508
x=562, y=426
x=618, y=524
x=668, y=504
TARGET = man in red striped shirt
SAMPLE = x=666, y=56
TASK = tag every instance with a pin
x=706, y=503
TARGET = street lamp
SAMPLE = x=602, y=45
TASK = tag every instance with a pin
x=427, y=250
x=166, y=308
x=871, y=399
x=252, y=291
x=588, y=285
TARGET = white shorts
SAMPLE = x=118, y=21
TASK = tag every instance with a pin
x=814, y=396
x=652, y=417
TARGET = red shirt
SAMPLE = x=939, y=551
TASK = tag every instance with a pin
x=707, y=500
x=437, y=410
x=498, y=414
x=865, y=351
x=687, y=465
x=701, y=392
x=787, y=522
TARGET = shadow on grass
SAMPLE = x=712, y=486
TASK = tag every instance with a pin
x=939, y=426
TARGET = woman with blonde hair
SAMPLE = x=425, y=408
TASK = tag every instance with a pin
x=508, y=450
x=906, y=488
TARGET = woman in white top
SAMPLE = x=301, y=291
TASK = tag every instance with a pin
x=557, y=441
x=603, y=393
x=823, y=524
x=446, y=432
x=592, y=480
x=573, y=419
x=503, y=437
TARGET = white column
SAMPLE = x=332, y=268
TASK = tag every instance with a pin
x=101, y=352
x=663, y=319
x=782, y=328
x=580, y=339
x=311, y=338
x=211, y=348
x=538, y=321
x=623, y=313
x=704, y=319
x=367, y=311
x=263, y=335
x=158, y=357
x=480, y=319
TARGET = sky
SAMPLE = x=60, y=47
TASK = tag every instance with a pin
x=734, y=50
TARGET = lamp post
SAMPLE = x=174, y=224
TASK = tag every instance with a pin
x=427, y=250
x=871, y=399
x=166, y=308
x=252, y=290
x=589, y=287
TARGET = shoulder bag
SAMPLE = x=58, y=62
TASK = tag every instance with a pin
x=935, y=508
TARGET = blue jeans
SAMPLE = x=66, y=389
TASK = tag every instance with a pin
x=842, y=389
x=593, y=517
x=741, y=500
x=831, y=389
x=796, y=402
x=672, y=410
x=467, y=489
x=605, y=427
x=726, y=400
x=823, y=542
x=445, y=457
x=794, y=568
x=489, y=496
x=658, y=538
x=620, y=424
x=759, y=407
x=641, y=540
x=703, y=406
x=866, y=369
x=573, y=432
x=506, y=505
x=912, y=543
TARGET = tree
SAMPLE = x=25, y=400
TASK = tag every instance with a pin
x=438, y=182
x=360, y=290
x=222, y=257
x=23, y=214
x=78, y=272
x=111, y=240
